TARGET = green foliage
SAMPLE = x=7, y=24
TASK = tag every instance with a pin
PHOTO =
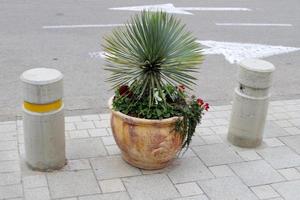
x=151, y=51
x=149, y=60
x=190, y=111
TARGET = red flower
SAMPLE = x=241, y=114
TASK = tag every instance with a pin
x=206, y=106
x=124, y=91
x=200, y=102
x=181, y=88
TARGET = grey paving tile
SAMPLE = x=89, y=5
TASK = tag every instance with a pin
x=111, y=196
x=265, y=192
x=273, y=130
x=150, y=187
x=112, y=167
x=112, y=185
x=196, y=197
x=85, y=148
x=10, y=178
x=188, y=189
x=8, y=145
x=11, y=191
x=292, y=141
x=187, y=170
x=9, y=166
x=72, y=183
x=280, y=157
x=226, y=188
x=216, y=154
x=34, y=181
x=257, y=172
x=288, y=190
x=290, y=173
x=41, y=193
x=221, y=171
x=77, y=165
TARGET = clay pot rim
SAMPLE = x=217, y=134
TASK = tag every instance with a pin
x=135, y=120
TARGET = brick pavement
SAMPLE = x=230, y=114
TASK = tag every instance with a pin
x=211, y=169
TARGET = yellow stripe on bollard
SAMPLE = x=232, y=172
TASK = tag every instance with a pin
x=42, y=108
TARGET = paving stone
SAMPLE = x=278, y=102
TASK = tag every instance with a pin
x=78, y=134
x=9, y=166
x=84, y=125
x=112, y=185
x=5, y=128
x=72, y=183
x=188, y=189
x=220, y=129
x=197, y=197
x=105, y=116
x=295, y=122
x=73, y=119
x=102, y=123
x=283, y=123
x=70, y=126
x=11, y=191
x=293, y=142
x=187, y=170
x=197, y=140
x=204, y=131
x=226, y=188
x=113, y=150
x=290, y=173
x=212, y=139
x=221, y=121
x=10, y=178
x=8, y=136
x=256, y=172
x=273, y=130
x=149, y=187
x=109, y=196
x=292, y=130
x=265, y=192
x=84, y=148
x=221, y=171
x=41, y=193
x=8, y=145
x=9, y=155
x=98, y=132
x=108, y=140
x=112, y=167
x=280, y=157
x=249, y=155
x=273, y=142
x=69, y=198
x=288, y=190
x=90, y=117
x=34, y=181
x=77, y=165
x=216, y=154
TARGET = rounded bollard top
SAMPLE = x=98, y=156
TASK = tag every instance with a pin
x=257, y=65
x=41, y=76
x=255, y=73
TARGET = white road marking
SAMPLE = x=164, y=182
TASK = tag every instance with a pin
x=170, y=8
x=83, y=26
x=234, y=52
x=251, y=24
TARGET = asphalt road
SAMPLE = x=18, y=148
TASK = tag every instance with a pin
x=25, y=44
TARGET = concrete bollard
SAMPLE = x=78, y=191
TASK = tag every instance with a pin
x=43, y=119
x=250, y=104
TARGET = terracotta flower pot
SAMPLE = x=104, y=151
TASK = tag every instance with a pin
x=144, y=143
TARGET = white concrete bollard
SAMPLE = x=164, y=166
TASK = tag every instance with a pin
x=250, y=104
x=43, y=119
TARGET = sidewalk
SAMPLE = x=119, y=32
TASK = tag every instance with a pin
x=211, y=169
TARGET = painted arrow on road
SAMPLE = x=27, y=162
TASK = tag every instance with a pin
x=233, y=52
x=170, y=8
x=236, y=52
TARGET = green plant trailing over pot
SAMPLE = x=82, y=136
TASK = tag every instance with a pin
x=152, y=60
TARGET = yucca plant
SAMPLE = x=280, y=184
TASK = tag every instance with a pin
x=152, y=59
x=152, y=50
